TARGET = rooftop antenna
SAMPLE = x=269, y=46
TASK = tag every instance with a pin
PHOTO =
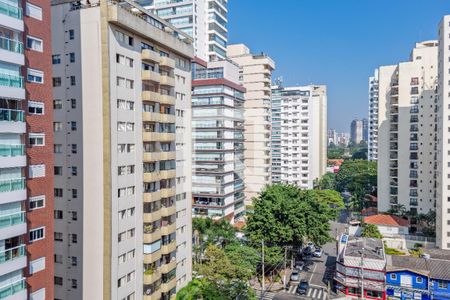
x=279, y=81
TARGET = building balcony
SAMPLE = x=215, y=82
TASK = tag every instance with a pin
x=168, y=229
x=151, y=217
x=167, y=80
x=152, y=237
x=169, y=248
x=155, y=156
x=11, y=16
x=150, y=55
x=13, y=259
x=14, y=290
x=166, y=268
x=12, y=86
x=153, y=76
x=167, y=62
x=12, y=156
x=167, y=99
x=12, y=225
x=168, y=286
x=152, y=257
x=152, y=197
x=157, y=117
x=11, y=51
x=158, y=137
x=12, y=190
x=168, y=192
x=150, y=276
x=168, y=211
x=156, y=295
x=158, y=175
x=151, y=96
x=12, y=120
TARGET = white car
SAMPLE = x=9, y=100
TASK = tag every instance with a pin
x=318, y=252
x=295, y=276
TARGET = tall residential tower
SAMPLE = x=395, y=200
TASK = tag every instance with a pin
x=256, y=76
x=122, y=114
x=299, y=134
x=373, y=117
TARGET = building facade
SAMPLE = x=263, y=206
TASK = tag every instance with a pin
x=255, y=76
x=218, y=141
x=332, y=137
x=372, y=144
x=356, y=131
x=299, y=134
x=121, y=86
x=407, y=132
x=204, y=20
x=443, y=147
x=365, y=130
x=26, y=144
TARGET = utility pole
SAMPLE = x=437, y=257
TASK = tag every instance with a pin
x=262, y=281
x=285, y=258
x=362, y=271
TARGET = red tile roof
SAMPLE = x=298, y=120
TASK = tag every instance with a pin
x=388, y=220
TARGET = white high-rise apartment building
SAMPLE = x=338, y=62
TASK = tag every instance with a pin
x=204, y=20
x=443, y=138
x=407, y=132
x=373, y=117
x=122, y=114
x=255, y=76
x=299, y=134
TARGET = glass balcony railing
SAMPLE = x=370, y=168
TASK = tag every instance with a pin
x=9, y=185
x=11, y=115
x=12, y=150
x=11, y=45
x=10, y=10
x=11, y=80
x=12, y=288
x=12, y=253
x=12, y=219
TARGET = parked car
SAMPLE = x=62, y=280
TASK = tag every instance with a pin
x=318, y=252
x=302, y=288
x=299, y=265
x=306, y=251
x=295, y=275
x=310, y=245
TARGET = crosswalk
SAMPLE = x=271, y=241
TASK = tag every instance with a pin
x=316, y=293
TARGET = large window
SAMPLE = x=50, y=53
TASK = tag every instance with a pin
x=35, y=76
x=35, y=44
x=37, y=234
x=33, y=11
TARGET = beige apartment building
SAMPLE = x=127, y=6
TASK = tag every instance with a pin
x=407, y=132
x=256, y=76
x=122, y=114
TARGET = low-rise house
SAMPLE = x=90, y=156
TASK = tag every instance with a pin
x=389, y=225
x=420, y=278
x=360, y=268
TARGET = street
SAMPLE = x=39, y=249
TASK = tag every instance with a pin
x=318, y=272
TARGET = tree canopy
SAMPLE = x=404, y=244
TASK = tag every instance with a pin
x=286, y=215
x=371, y=231
x=357, y=177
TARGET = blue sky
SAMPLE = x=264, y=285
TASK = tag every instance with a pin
x=334, y=42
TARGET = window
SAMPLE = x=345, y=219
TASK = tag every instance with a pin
x=394, y=276
x=58, y=280
x=58, y=214
x=74, y=261
x=74, y=149
x=74, y=238
x=37, y=234
x=74, y=171
x=35, y=44
x=73, y=126
x=73, y=103
x=33, y=11
x=74, y=193
x=36, y=202
x=58, y=236
x=56, y=81
x=57, y=104
x=36, y=139
x=74, y=216
x=35, y=76
x=57, y=126
x=57, y=192
x=36, y=171
x=58, y=258
x=57, y=148
x=56, y=59
x=442, y=284
x=71, y=34
x=419, y=279
x=72, y=57
x=35, y=108
x=58, y=170
x=72, y=80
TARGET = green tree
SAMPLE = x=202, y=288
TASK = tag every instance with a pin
x=371, y=231
x=286, y=215
x=327, y=182
x=200, y=289
x=357, y=176
x=245, y=259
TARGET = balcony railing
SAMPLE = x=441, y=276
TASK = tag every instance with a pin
x=11, y=45
x=12, y=115
x=11, y=80
x=12, y=288
x=12, y=150
x=12, y=219
x=9, y=185
x=12, y=253
x=10, y=10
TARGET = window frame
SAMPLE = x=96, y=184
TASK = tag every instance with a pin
x=33, y=231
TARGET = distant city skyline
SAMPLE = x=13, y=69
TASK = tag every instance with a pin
x=337, y=53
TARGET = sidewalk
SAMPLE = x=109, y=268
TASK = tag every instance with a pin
x=272, y=286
